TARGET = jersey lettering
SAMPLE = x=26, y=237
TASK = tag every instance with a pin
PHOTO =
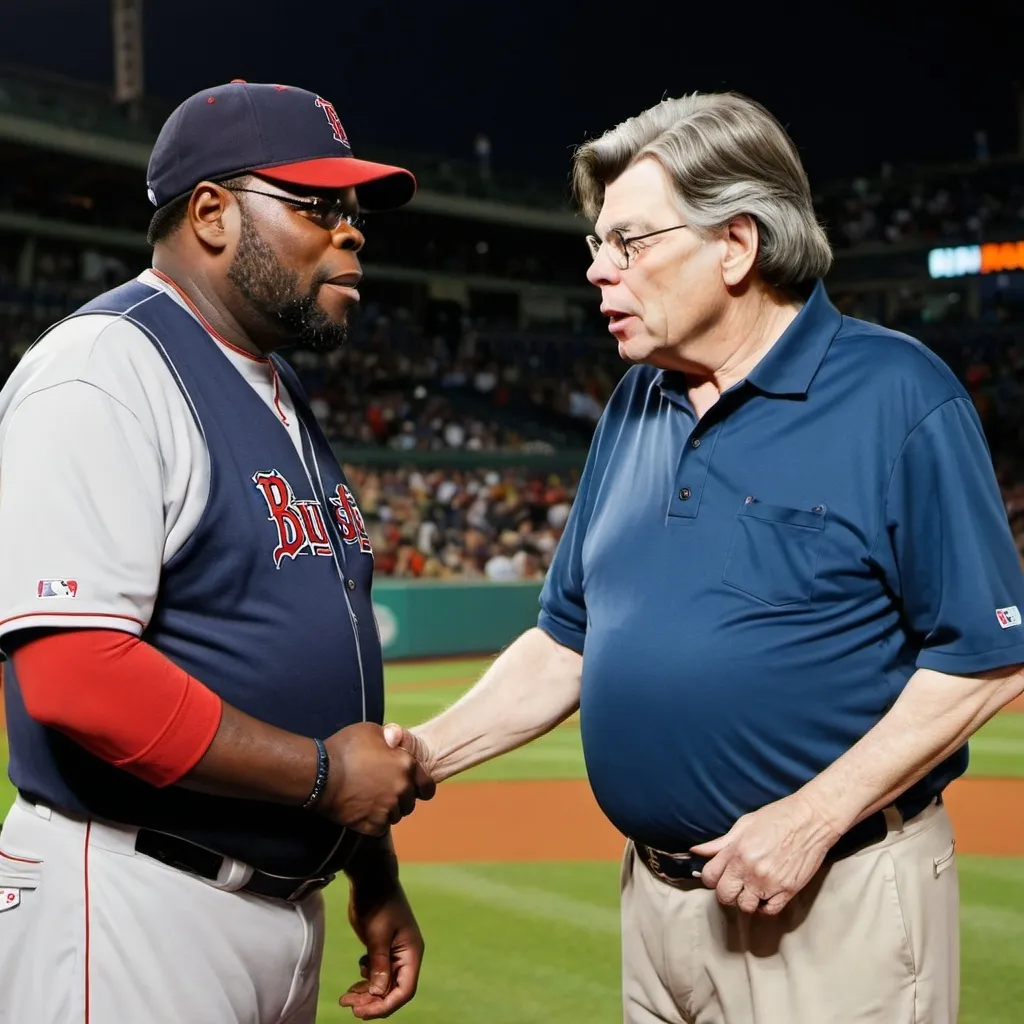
x=350, y=520
x=300, y=523
x=316, y=528
x=301, y=529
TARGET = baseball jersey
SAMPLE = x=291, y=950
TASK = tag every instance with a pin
x=155, y=480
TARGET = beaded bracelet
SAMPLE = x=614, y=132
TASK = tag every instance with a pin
x=323, y=767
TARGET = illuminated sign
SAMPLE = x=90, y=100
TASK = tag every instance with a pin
x=965, y=260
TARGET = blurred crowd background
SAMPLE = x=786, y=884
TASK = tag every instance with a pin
x=477, y=366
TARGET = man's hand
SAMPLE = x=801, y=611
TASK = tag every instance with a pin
x=371, y=785
x=384, y=923
x=405, y=739
x=768, y=856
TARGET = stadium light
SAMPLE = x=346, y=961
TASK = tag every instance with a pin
x=128, y=74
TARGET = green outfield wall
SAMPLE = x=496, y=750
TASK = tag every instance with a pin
x=426, y=619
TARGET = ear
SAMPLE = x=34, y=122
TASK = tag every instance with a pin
x=742, y=239
x=213, y=216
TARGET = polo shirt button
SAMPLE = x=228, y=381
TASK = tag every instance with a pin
x=351, y=584
x=818, y=508
x=695, y=443
x=684, y=494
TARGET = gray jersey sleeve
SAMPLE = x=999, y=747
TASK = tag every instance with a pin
x=103, y=476
x=81, y=513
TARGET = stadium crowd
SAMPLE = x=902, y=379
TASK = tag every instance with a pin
x=934, y=208
x=500, y=525
x=994, y=377
x=398, y=383
x=457, y=385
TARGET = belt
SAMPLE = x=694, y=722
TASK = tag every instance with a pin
x=684, y=868
x=188, y=856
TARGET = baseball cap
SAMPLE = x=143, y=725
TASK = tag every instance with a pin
x=281, y=132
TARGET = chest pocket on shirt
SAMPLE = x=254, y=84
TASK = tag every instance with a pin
x=773, y=552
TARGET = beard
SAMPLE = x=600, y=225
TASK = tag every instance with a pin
x=273, y=293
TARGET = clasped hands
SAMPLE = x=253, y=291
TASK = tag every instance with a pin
x=372, y=784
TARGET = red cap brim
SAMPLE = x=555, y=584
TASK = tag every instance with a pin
x=378, y=186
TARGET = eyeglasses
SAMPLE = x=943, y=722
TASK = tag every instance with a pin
x=622, y=247
x=329, y=214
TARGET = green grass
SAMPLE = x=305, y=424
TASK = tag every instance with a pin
x=404, y=673
x=506, y=944
x=992, y=936
x=997, y=749
x=417, y=692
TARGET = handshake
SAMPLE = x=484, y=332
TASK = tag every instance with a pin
x=375, y=777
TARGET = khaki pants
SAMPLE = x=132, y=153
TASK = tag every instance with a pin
x=873, y=939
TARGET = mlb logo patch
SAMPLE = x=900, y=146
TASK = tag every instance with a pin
x=1008, y=616
x=57, y=588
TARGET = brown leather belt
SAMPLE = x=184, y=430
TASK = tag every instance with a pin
x=683, y=870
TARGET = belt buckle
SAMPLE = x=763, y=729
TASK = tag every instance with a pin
x=652, y=857
x=307, y=885
x=655, y=865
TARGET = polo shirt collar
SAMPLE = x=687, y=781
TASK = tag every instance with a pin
x=793, y=360
x=790, y=366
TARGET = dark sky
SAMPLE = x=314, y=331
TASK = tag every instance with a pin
x=855, y=83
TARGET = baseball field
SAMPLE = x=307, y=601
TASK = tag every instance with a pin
x=513, y=871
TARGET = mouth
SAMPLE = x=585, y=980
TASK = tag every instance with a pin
x=345, y=284
x=617, y=320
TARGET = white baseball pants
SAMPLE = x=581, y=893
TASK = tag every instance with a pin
x=92, y=932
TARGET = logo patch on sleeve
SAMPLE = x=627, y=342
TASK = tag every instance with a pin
x=9, y=899
x=1008, y=616
x=57, y=588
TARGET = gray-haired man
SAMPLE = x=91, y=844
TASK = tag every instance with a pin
x=786, y=596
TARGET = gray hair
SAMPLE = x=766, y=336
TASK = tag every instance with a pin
x=726, y=155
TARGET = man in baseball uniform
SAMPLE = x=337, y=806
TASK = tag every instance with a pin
x=194, y=678
x=785, y=597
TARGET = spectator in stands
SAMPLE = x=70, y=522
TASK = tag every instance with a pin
x=476, y=523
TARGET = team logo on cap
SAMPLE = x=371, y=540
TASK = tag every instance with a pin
x=333, y=120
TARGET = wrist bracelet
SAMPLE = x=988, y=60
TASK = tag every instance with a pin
x=323, y=767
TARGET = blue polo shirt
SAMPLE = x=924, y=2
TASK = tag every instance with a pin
x=751, y=592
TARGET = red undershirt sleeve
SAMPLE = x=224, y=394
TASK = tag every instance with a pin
x=120, y=699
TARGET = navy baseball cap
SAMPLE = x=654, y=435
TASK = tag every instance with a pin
x=277, y=131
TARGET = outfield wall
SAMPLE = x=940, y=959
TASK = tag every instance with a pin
x=434, y=618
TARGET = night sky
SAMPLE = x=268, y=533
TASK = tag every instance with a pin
x=899, y=81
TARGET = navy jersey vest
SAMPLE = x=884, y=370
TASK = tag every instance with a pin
x=268, y=603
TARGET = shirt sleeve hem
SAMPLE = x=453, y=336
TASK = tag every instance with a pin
x=561, y=632
x=72, y=620
x=972, y=661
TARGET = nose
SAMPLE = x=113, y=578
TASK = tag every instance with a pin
x=602, y=271
x=347, y=236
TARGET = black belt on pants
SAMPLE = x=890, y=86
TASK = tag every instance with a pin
x=188, y=856
x=675, y=868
